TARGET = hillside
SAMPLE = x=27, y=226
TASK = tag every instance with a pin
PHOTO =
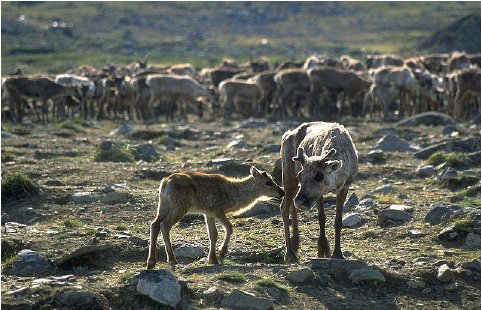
x=54, y=36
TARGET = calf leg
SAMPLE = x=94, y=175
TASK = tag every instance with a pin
x=154, y=233
x=212, y=230
x=322, y=243
x=286, y=205
x=340, y=199
x=228, y=233
x=165, y=229
x=295, y=229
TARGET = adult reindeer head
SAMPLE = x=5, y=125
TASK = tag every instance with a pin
x=316, y=177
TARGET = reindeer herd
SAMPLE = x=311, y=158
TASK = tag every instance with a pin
x=386, y=86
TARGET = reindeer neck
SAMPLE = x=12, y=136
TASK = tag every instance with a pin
x=245, y=192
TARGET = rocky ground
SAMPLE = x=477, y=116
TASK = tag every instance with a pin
x=412, y=235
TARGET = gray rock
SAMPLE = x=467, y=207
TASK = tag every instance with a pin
x=261, y=208
x=468, y=145
x=445, y=274
x=85, y=197
x=366, y=274
x=425, y=171
x=274, y=293
x=448, y=174
x=426, y=118
x=427, y=290
x=441, y=212
x=146, y=152
x=413, y=234
x=374, y=156
x=350, y=203
x=272, y=148
x=54, y=183
x=253, y=123
x=385, y=189
x=105, y=145
x=26, y=211
x=449, y=130
x=404, y=208
x=394, y=215
x=81, y=251
x=219, y=161
x=300, y=276
x=473, y=241
x=124, y=129
x=81, y=300
x=416, y=284
x=351, y=220
x=6, y=135
x=392, y=143
x=237, y=144
x=113, y=198
x=160, y=285
x=169, y=142
x=450, y=287
x=387, y=131
x=29, y=263
x=189, y=250
x=235, y=169
x=330, y=264
x=474, y=159
x=474, y=264
x=138, y=241
x=448, y=233
x=366, y=204
x=244, y=300
x=212, y=294
x=5, y=218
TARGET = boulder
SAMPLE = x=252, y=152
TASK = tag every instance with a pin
x=145, y=152
x=404, y=208
x=237, y=144
x=474, y=264
x=425, y=171
x=427, y=119
x=81, y=251
x=245, y=300
x=467, y=145
x=85, y=197
x=160, y=285
x=441, y=212
x=416, y=284
x=300, y=276
x=330, y=264
x=106, y=145
x=385, y=189
x=29, y=263
x=253, y=123
x=212, y=294
x=351, y=220
x=366, y=204
x=366, y=274
x=448, y=174
x=393, y=143
x=272, y=148
x=350, y=203
x=124, y=129
x=113, y=198
x=189, y=250
x=413, y=234
x=448, y=233
x=374, y=156
x=473, y=241
x=81, y=300
x=394, y=215
x=445, y=274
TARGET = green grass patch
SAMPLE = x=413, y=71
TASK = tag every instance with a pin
x=126, y=277
x=268, y=282
x=18, y=185
x=116, y=155
x=386, y=198
x=9, y=261
x=71, y=125
x=72, y=223
x=452, y=159
x=461, y=181
x=471, y=202
x=6, y=157
x=232, y=277
x=120, y=227
x=463, y=224
x=472, y=191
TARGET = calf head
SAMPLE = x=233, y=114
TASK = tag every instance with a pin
x=315, y=177
x=265, y=183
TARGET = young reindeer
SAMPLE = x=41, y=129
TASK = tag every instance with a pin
x=317, y=158
x=214, y=195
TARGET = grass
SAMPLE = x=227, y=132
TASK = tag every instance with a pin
x=116, y=155
x=472, y=191
x=6, y=157
x=463, y=224
x=268, y=282
x=386, y=199
x=232, y=277
x=126, y=277
x=9, y=261
x=70, y=124
x=120, y=227
x=72, y=223
x=471, y=202
x=460, y=181
x=452, y=159
x=18, y=185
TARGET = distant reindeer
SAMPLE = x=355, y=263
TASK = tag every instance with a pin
x=317, y=158
x=214, y=195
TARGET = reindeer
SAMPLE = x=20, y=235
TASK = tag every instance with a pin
x=214, y=195
x=321, y=158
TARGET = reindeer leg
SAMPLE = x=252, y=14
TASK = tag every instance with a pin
x=228, y=233
x=154, y=233
x=165, y=228
x=212, y=230
x=322, y=243
x=340, y=199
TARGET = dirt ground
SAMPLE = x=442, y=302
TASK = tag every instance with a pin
x=56, y=225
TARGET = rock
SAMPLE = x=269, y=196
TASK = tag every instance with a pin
x=427, y=119
x=169, y=142
x=235, y=169
x=124, y=129
x=212, y=294
x=244, y=300
x=113, y=198
x=160, y=285
x=29, y=263
x=413, y=234
x=145, y=152
x=448, y=174
x=445, y=274
x=473, y=241
x=85, y=197
x=366, y=204
x=26, y=211
x=427, y=290
x=138, y=241
x=387, y=131
x=81, y=300
x=300, y=276
x=385, y=189
x=274, y=293
x=425, y=171
x=441, y=212
x=253, y=123
x=6, y=135
x=272, y=148
x=156, y=175
x=394, y=215
x=189, y=250
x=54, y=183
x=474, y=159
x=448, y=130
x=350, y=203
x=237, y=144
x=81, y=251
x=474, y=264
x=392, y=143
x=105, y=145
x=220, y=161
x=366, y=274
x=448, y=233
x=330, y=264
x=404, y=208
x=450, y=287
x=374, y=156
x=351, y=220
x=467, y=145
x=261, y=208
x=415, y=284
x=5, y=218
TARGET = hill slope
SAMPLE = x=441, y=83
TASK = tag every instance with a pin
x=53, y=36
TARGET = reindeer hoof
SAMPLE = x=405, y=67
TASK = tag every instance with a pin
x=338, y=255
x=214, y=261
x=291, y=259
x=151, y=264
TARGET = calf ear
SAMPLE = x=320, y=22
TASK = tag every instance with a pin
x=255, y=172
x=333, y=165
x=301, y=156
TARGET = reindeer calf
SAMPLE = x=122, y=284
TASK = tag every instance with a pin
x=214, y=195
